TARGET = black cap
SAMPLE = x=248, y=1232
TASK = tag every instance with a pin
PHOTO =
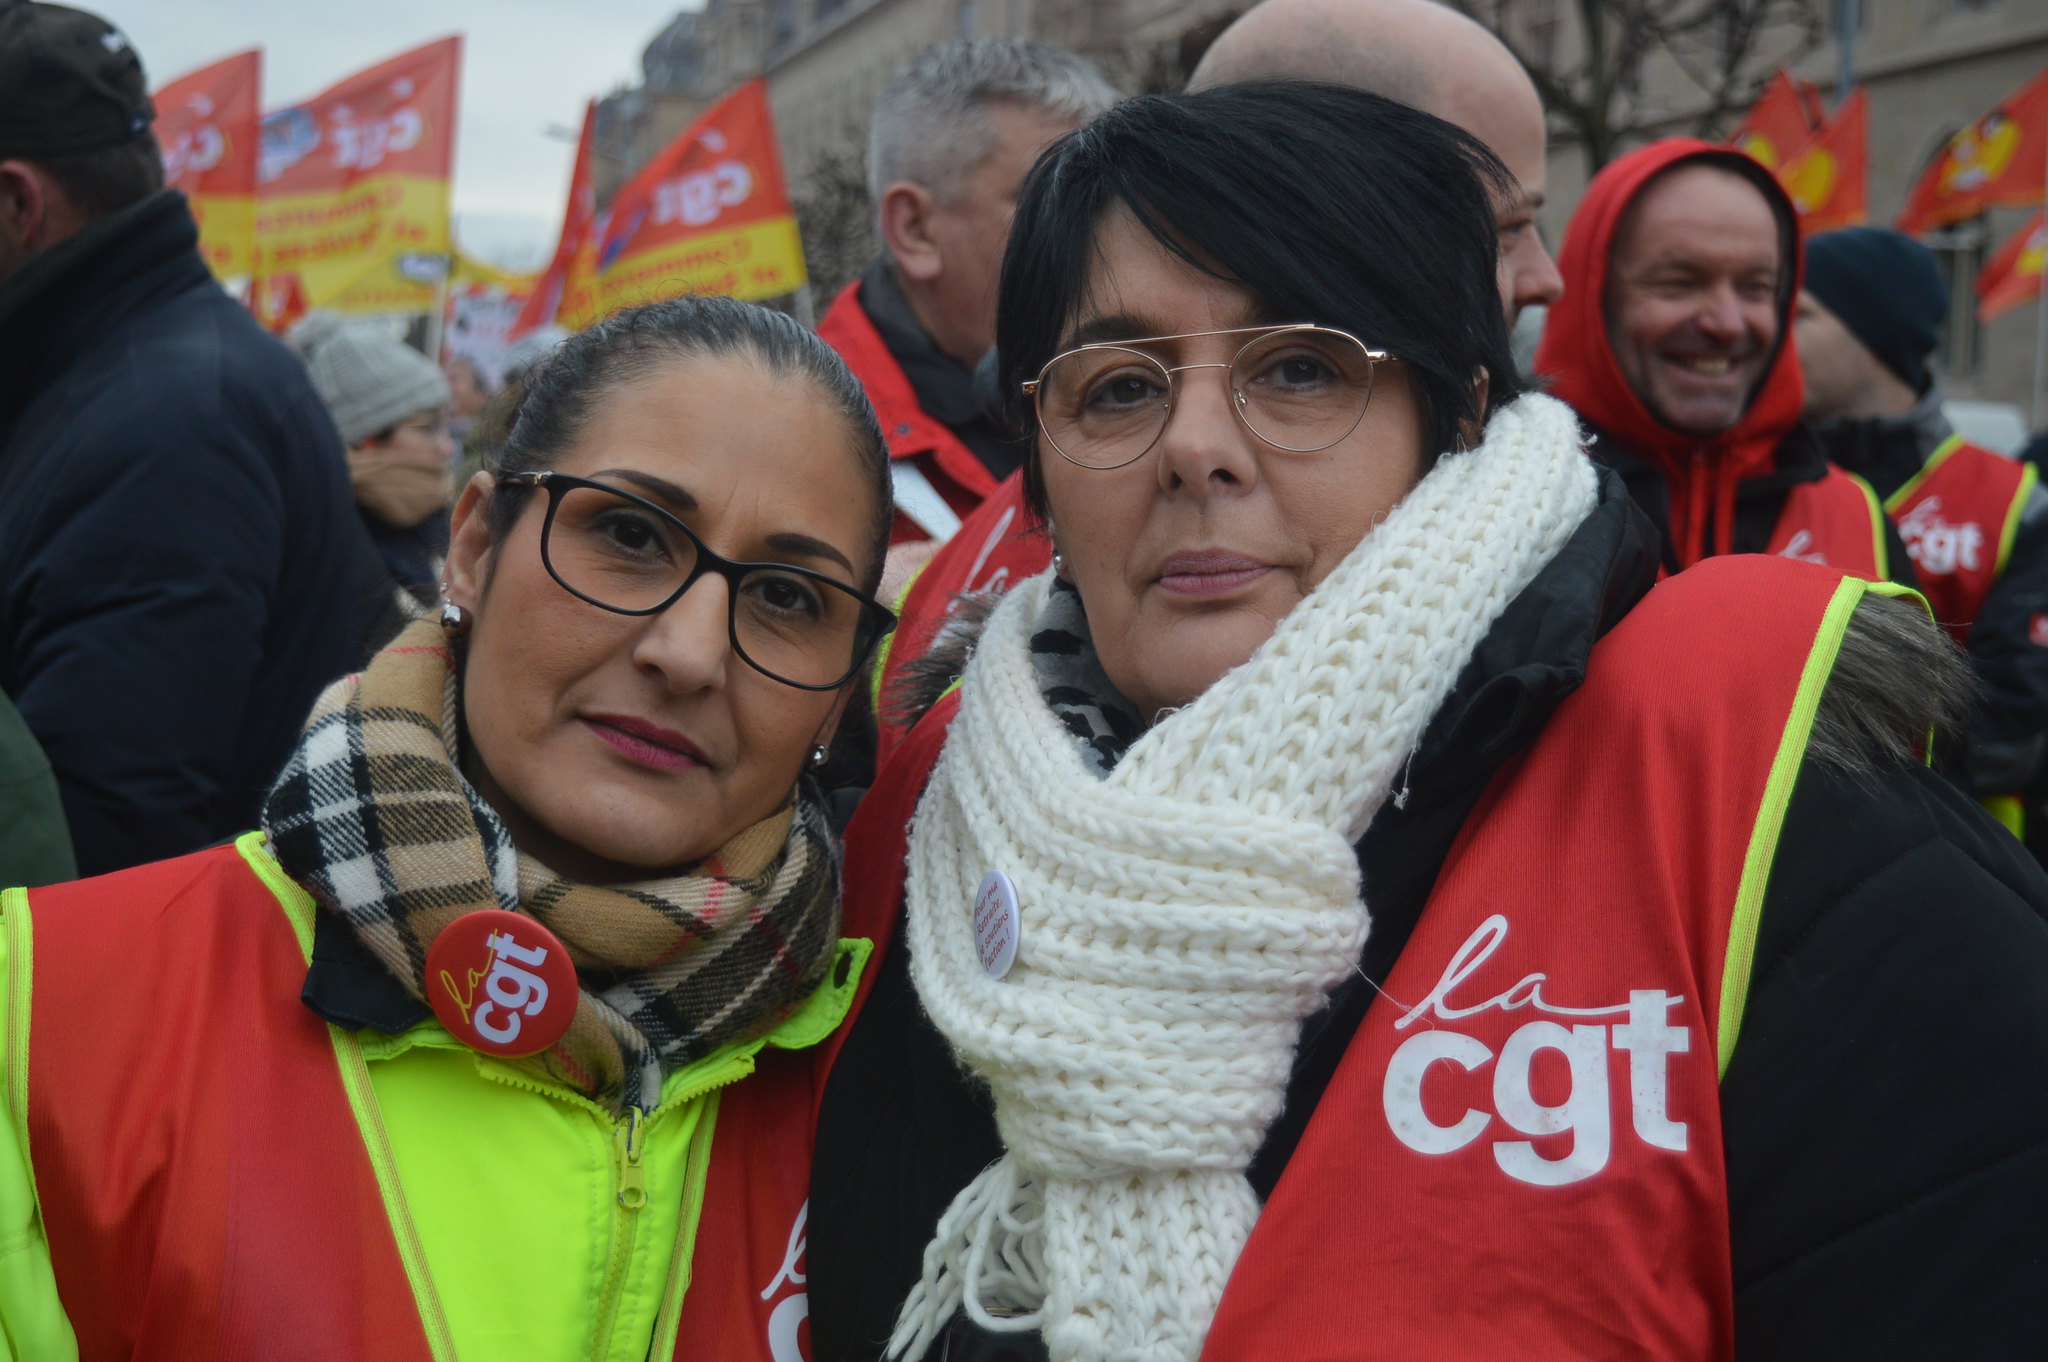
x=1887, y=290
x=70, y=82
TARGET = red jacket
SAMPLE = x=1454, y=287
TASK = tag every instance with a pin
x=1578, y=358
x=914, y=437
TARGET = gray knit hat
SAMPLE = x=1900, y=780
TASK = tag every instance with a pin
x=369, y=379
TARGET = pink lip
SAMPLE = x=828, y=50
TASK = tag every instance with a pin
x=650, y=745
x=1212, y=572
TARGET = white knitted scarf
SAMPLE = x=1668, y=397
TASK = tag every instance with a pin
x=1181, y=917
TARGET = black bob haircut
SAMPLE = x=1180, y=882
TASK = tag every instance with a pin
x=1328, y=204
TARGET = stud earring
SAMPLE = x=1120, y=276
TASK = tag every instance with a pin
x=454, y=619
x=819, y=756
x=1059, y=564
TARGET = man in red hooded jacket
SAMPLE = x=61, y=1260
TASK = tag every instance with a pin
x=1674, y=343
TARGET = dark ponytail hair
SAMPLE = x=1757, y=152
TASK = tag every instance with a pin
x=1328, y=204
x=563, y=388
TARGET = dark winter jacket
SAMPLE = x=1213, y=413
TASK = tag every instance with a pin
x=181, y=568
x=1890, y=1094
x=35, y=847
x=2008, y=736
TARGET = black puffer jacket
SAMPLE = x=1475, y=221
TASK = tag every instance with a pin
x=1886, y=1116
x=181, y=568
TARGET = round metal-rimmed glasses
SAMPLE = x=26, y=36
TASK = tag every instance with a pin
x=1300, y=388
x=625, y=554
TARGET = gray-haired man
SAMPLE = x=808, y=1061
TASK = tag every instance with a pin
x=953, y=134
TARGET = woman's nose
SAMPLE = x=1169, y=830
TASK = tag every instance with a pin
x=690, y=643
x=1205, y=447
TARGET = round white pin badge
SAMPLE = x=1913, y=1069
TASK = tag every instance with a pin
x=996, y=924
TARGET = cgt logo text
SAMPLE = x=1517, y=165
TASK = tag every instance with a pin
x=1642, y=1030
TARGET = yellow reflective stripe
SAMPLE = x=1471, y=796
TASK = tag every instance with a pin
x=20, y=979
x=880, y=667
x=298, y=905
x=355, y=1081
x=1914, y=483
x=1770, y=818
x=682, y=1259
x=1880, y=542
x=2010, y=812
x=2029, y=477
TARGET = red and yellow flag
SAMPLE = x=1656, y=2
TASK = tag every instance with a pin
x=1999, y=161
x=206, y=123
x=708, y=215
x=550, y=300
x=2013, y=276
x=1782, y=121
x=1828, y=177
x=353, y=196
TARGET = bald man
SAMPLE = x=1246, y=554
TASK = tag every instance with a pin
x=1416, y=51
x=1428, y=56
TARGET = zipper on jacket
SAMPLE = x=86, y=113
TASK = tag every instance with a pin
x=632, y=1180
x=627, y=1199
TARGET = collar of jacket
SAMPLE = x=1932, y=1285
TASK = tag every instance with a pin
x=1534, y=656
x=944, y=386
x=1886, y=451
x=56, y=305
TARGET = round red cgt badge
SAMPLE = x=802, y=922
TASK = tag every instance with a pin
x=501, y=983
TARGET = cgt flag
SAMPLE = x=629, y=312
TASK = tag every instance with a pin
x=708, y=215
x=206, y=123
x=1828, y=178
x=2013, y=276
x=1999, y=161
x=352, y=210
x=553, y=298
x=1781, y=122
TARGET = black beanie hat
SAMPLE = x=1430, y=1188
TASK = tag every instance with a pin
x=1887, y=289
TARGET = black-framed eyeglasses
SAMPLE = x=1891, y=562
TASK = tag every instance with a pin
x=625, y=554
x=1300, y=388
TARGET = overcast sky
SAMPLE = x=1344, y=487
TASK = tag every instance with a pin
x=526, y=64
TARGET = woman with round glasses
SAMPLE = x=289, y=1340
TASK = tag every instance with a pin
x=496, y=1040
x=1347, y=910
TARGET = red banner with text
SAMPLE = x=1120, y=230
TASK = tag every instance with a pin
x=207, y=124
x=708, y=215
x=352, y=208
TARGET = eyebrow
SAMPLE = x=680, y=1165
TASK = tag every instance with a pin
x=783, y=541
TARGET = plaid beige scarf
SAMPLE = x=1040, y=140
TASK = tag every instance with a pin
x=374, y=818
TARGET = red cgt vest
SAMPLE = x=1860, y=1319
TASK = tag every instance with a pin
x=1834, y=520
x=1957, y=517
x=1520, y=1155
x=218, y=1201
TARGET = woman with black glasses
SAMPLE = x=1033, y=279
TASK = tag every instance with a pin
x=1350, y=911
x=496, y=1040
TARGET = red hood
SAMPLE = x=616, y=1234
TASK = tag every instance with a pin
x=1579, y=362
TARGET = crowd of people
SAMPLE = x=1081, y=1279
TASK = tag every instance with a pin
x=1140, y=793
